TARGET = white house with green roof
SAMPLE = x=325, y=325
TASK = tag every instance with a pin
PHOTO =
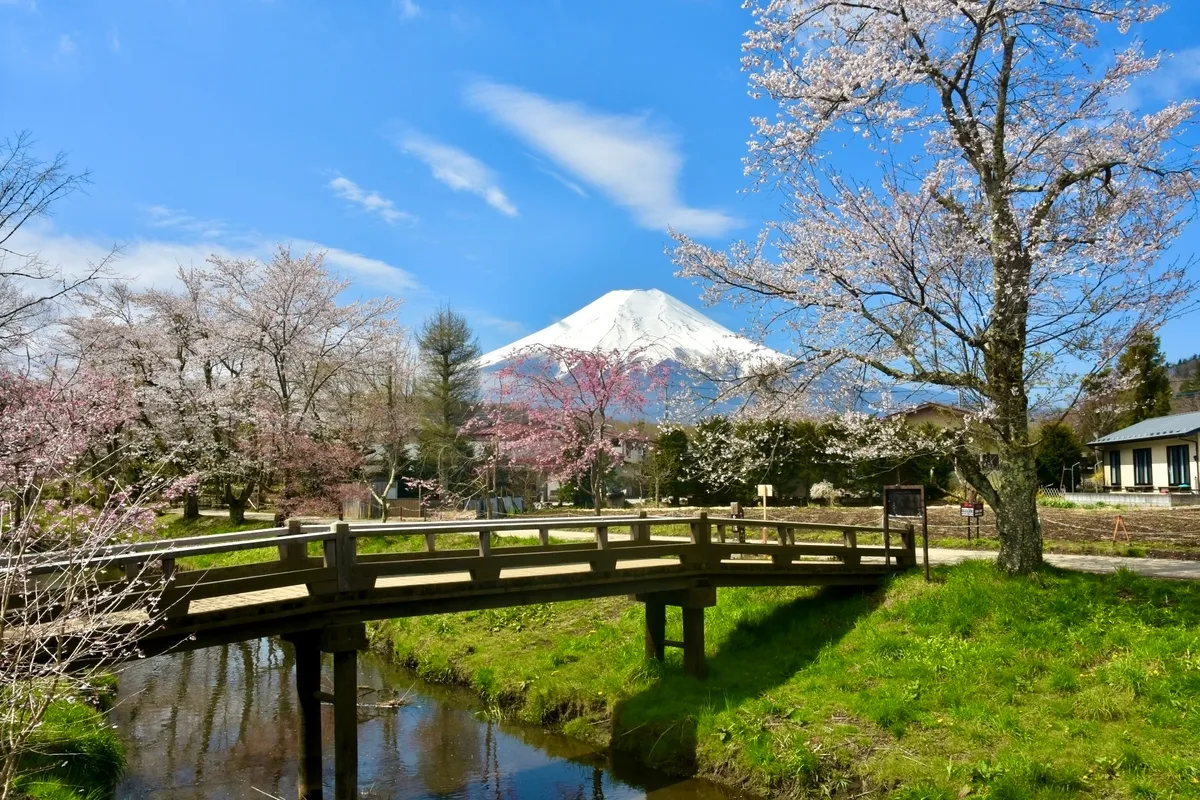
x=1155, y=458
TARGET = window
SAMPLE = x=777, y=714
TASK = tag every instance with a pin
x=1141, y=467
x=1178, y=469
x=1114, y=468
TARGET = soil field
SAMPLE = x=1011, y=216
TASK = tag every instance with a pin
x=1157, y=533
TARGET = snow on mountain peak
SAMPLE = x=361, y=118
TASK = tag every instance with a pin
x=665, y=328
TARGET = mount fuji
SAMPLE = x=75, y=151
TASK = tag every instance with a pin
x=665, y=329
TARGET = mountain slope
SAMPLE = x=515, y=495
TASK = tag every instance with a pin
x=665, y=328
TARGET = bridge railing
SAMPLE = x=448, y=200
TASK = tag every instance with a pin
x=342, y=567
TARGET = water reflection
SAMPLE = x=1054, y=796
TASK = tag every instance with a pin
x=220, y=723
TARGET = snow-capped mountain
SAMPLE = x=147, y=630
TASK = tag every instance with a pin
x=666, y=329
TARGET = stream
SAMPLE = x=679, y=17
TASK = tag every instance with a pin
x=221, y=723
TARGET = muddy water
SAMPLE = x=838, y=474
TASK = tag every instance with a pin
x=220, y=723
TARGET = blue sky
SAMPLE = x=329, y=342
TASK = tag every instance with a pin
x=517, y=159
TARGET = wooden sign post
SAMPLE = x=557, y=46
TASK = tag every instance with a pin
x=765, y=490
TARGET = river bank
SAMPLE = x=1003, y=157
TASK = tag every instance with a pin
x=1060, y=684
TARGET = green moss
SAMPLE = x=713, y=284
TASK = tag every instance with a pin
x=1052, y=685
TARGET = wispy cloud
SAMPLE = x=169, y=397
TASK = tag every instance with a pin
x=371, y=202
x=457, y=169
x=624, y=156
x=570, y=184
x=66, y=46
x=150, y=261
x=508, y=327
x=407, y=9
x=114, y=41
x=166, y=217
x=1177, y=79
x=373, y=271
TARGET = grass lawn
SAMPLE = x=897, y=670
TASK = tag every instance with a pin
x=1056, y=685
x=74, y=754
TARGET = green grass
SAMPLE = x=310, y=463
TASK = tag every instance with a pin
x=75, y=755
x=1055, y=685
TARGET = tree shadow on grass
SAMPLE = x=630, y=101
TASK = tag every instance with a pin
x=767, y=646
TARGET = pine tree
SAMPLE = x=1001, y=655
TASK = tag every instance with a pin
x=1144, y=364
x=447, y=392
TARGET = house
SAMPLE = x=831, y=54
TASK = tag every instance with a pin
x=1154, y=456
x=943, y=416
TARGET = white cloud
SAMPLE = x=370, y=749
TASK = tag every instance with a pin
x=572, y=185
x=165, y=217
x=1176, y=79
x=623, y=156
x=370, y=201
x=151, y=262
x=407, y=9
x=458, y=169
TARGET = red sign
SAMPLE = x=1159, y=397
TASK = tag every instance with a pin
x=970, y=509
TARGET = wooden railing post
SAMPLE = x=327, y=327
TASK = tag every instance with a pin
x=642, y=529
x=293, y=552
x=486, y=571
x=602, y=537
x=340, y=553
x=544, y=536
x=909, y=537
x=851, y=557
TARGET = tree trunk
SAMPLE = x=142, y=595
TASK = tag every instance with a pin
x=597, y=500
x=1015, y=504
x=191, y=506
x=237, y=510
x=237, y=503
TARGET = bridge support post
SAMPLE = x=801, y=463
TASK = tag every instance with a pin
x=693, y=642
x=656, y=629
x=344, y=641
x=692, y=602
x=308, y=684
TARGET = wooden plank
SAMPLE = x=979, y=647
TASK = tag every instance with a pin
x=811, y=526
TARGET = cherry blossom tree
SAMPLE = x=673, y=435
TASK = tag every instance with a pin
x=562, y=410
x=237, y=372
x=1003, y=233
x=377, y=405
x=57, y=431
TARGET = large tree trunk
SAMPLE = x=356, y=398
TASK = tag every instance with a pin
x=1015, y=498
x=1015, y=504
x=191, y=506
x=237, y=503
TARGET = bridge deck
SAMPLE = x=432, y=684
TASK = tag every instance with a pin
x=297, y=591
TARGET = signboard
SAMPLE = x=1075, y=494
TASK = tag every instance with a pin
x=971, y=510
x=766, y=490
x=903, y=501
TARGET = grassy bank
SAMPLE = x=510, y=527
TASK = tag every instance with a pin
x=74, y=754
x=1058, y=685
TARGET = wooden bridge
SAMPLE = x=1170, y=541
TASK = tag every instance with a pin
x=316, y=589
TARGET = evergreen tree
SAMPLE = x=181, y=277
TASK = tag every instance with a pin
x=447, y=392
x=1058, y=449
x=1144, y=364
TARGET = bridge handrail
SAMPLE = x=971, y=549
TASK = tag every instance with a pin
x=212, y=544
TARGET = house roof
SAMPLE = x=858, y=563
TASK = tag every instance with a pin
x=930, y=405
x=1156, y=428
